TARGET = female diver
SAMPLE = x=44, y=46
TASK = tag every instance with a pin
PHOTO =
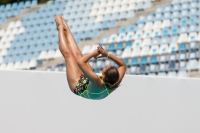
x=81, y=79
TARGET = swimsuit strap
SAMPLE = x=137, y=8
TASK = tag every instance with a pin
x=104, y=84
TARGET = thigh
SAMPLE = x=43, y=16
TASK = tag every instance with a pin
x=73, y=72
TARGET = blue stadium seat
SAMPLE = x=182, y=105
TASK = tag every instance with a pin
x=193, y=28
x=182, y=55
x=184, y=21
x=120, y=46
x=36, y=54
x=122, y=15
x=105, y=25
x=193, y=20
x=185, y=6
x=175, y=22
x=184, y=13
x=21, y=5
x=107, y=17
x=14, y=6
x=158, y=16
x=130, y=14
x=123, y=29
x=182, y=65
x=141, y=19
x=143, y=69
x=134, y=61
x=111, y=47
x=184, y=29
x=126, y=61
x=140, y=26
x=128, y=44
x=167, y=15
x=150, y=18
x=159, y=9
x=8, y=7
x=144, y=60
x=177, y=7
x=192, y=54
x=34, y=3
x=175, y=14
x=27, y=4
x=114, y=16
x=168, y=8
x=132, y=27
x=174, y=30
x=172, y=66
x=165, y=32
x=156, y=41
x=153, y=59
x=183, y=47
x=139, y=6
x=194, y=12
x=6, y=59
x=147, y=4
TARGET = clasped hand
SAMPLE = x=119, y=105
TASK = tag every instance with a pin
x=99, y=52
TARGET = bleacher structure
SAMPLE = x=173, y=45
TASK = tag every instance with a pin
x=163, y=41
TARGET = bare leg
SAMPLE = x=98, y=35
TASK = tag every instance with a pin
x=72, y=43
x=73, y=72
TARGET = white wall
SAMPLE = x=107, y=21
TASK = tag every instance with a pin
x=41, y=102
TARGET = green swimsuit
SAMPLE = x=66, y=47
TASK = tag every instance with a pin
x=82, y=88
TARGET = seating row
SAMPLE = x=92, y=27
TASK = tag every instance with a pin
x=132, y=70
x=19, y=65
x=11, y=10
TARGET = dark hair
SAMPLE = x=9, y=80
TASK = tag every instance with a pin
x=111, y=76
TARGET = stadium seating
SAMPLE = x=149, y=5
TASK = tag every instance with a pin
x=165, y=42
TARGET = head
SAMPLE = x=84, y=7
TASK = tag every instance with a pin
x=110, y=76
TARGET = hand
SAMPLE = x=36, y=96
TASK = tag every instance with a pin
x=95, y=53
x=102, y=51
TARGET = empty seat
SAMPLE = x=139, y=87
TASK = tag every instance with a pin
x=129, y=36
x=137, y=43
x=172, y=74
x=182, y=65
x=172, y=66
x=143, y=69
x=162, y=67
x=182, y=73
x=147, y=34
x=162, y=74
x=49, y=68
x=173, y=47
x=111, y=47
x=192, y=64
x=154, y=50
x=153, y=68
x=182, y=55
x=147, y=42
x=135, y=61
x=133, y=70
x=156, y=33
x=135, y=52
x=86, y=49
x=113, y=38
x=145, y=51
x=121, y=37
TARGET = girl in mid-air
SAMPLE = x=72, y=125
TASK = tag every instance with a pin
x=81, y=79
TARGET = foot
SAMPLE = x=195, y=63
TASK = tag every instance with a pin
x=58, y=20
